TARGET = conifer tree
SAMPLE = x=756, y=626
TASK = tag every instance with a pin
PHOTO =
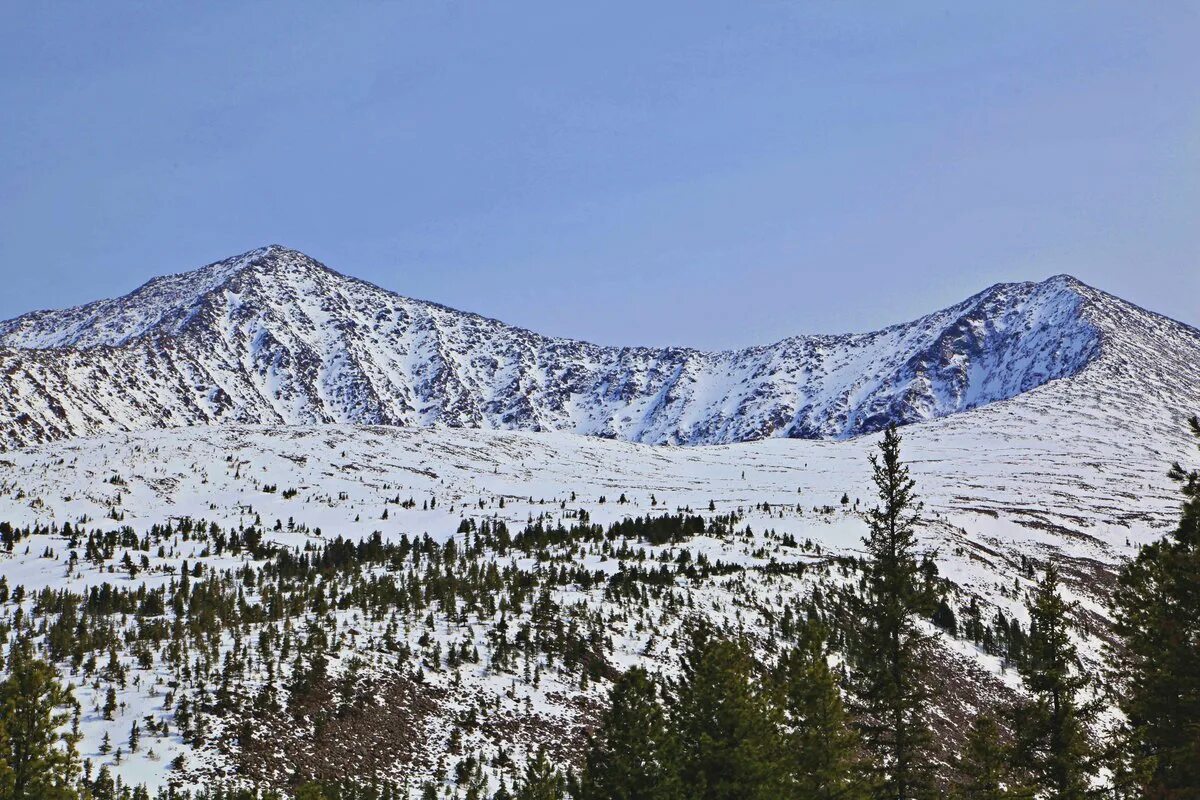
x=892, y=653
x=984, y=768
x=1052, y=734
x=6, y=770
x=1155, y=663
x=541, y=780
x=633, y=754
x=728, y=729
x=36, y=760
x=822, y=751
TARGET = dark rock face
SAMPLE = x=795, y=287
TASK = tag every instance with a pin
x=274, y=337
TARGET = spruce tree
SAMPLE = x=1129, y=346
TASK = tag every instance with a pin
x=892, y=653
x=728, y=728
x=1155, y=662
x=633, y=755
x=36, y=760
x=823, y=752
x=984, y=768
x=541, y=780
x=1052, y=734
x=6, y=771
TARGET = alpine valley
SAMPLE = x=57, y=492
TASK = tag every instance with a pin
x=277, y=527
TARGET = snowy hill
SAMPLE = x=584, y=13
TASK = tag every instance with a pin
x=1005, y=485
x=273, y=337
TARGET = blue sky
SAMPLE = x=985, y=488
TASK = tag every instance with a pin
x=658, y=173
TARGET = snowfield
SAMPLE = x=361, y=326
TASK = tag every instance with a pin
x=999, y=483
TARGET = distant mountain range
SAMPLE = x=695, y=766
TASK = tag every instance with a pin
x=274, y=337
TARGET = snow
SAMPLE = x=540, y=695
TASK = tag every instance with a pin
x=1044, y=415
x=998, y=482
x=284, y=340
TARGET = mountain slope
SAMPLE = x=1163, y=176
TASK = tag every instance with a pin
x=1046, y=415
x=274, y=337
x=1008, y=485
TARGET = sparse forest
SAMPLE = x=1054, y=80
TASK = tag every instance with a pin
x=381, y=668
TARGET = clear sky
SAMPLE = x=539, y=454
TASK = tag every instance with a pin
x=710, y=174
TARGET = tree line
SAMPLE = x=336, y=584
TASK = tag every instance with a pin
x=729, y=727
x=856, y=721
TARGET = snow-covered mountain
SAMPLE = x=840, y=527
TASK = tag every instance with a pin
x=1046, y=416
x=274, y=337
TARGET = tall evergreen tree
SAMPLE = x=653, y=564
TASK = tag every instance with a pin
x=1155, y=662
x=892, y=653
x=823, y=752
x=6, y=771
x=728, y=728
x=36, y=760
x=541, y=781
x=984, y=768
x=633, y=755
x=1052, y=734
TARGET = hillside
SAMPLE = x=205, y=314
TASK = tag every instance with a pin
x=273, y=337
x=1005, y=486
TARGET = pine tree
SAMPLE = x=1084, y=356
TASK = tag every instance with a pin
x=728, y=730
x=541, y=780
x=822, y=758
x=110, y=703
x=6, y=771
x=633, y=754
x=1052, y=732
x=1155, y=664
x=35, y=759
x=311, y=791
x=984, y=768
x=892, y=653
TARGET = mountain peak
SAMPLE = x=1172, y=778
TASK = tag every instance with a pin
x=1063, y=277
x=1066, y=281
x=274, y=336
x=1061, y=281
x=275, y=258
x=279, y=251
x=269, y=250
x=116, y=321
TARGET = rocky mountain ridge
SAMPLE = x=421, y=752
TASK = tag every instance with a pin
x=274, y=337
